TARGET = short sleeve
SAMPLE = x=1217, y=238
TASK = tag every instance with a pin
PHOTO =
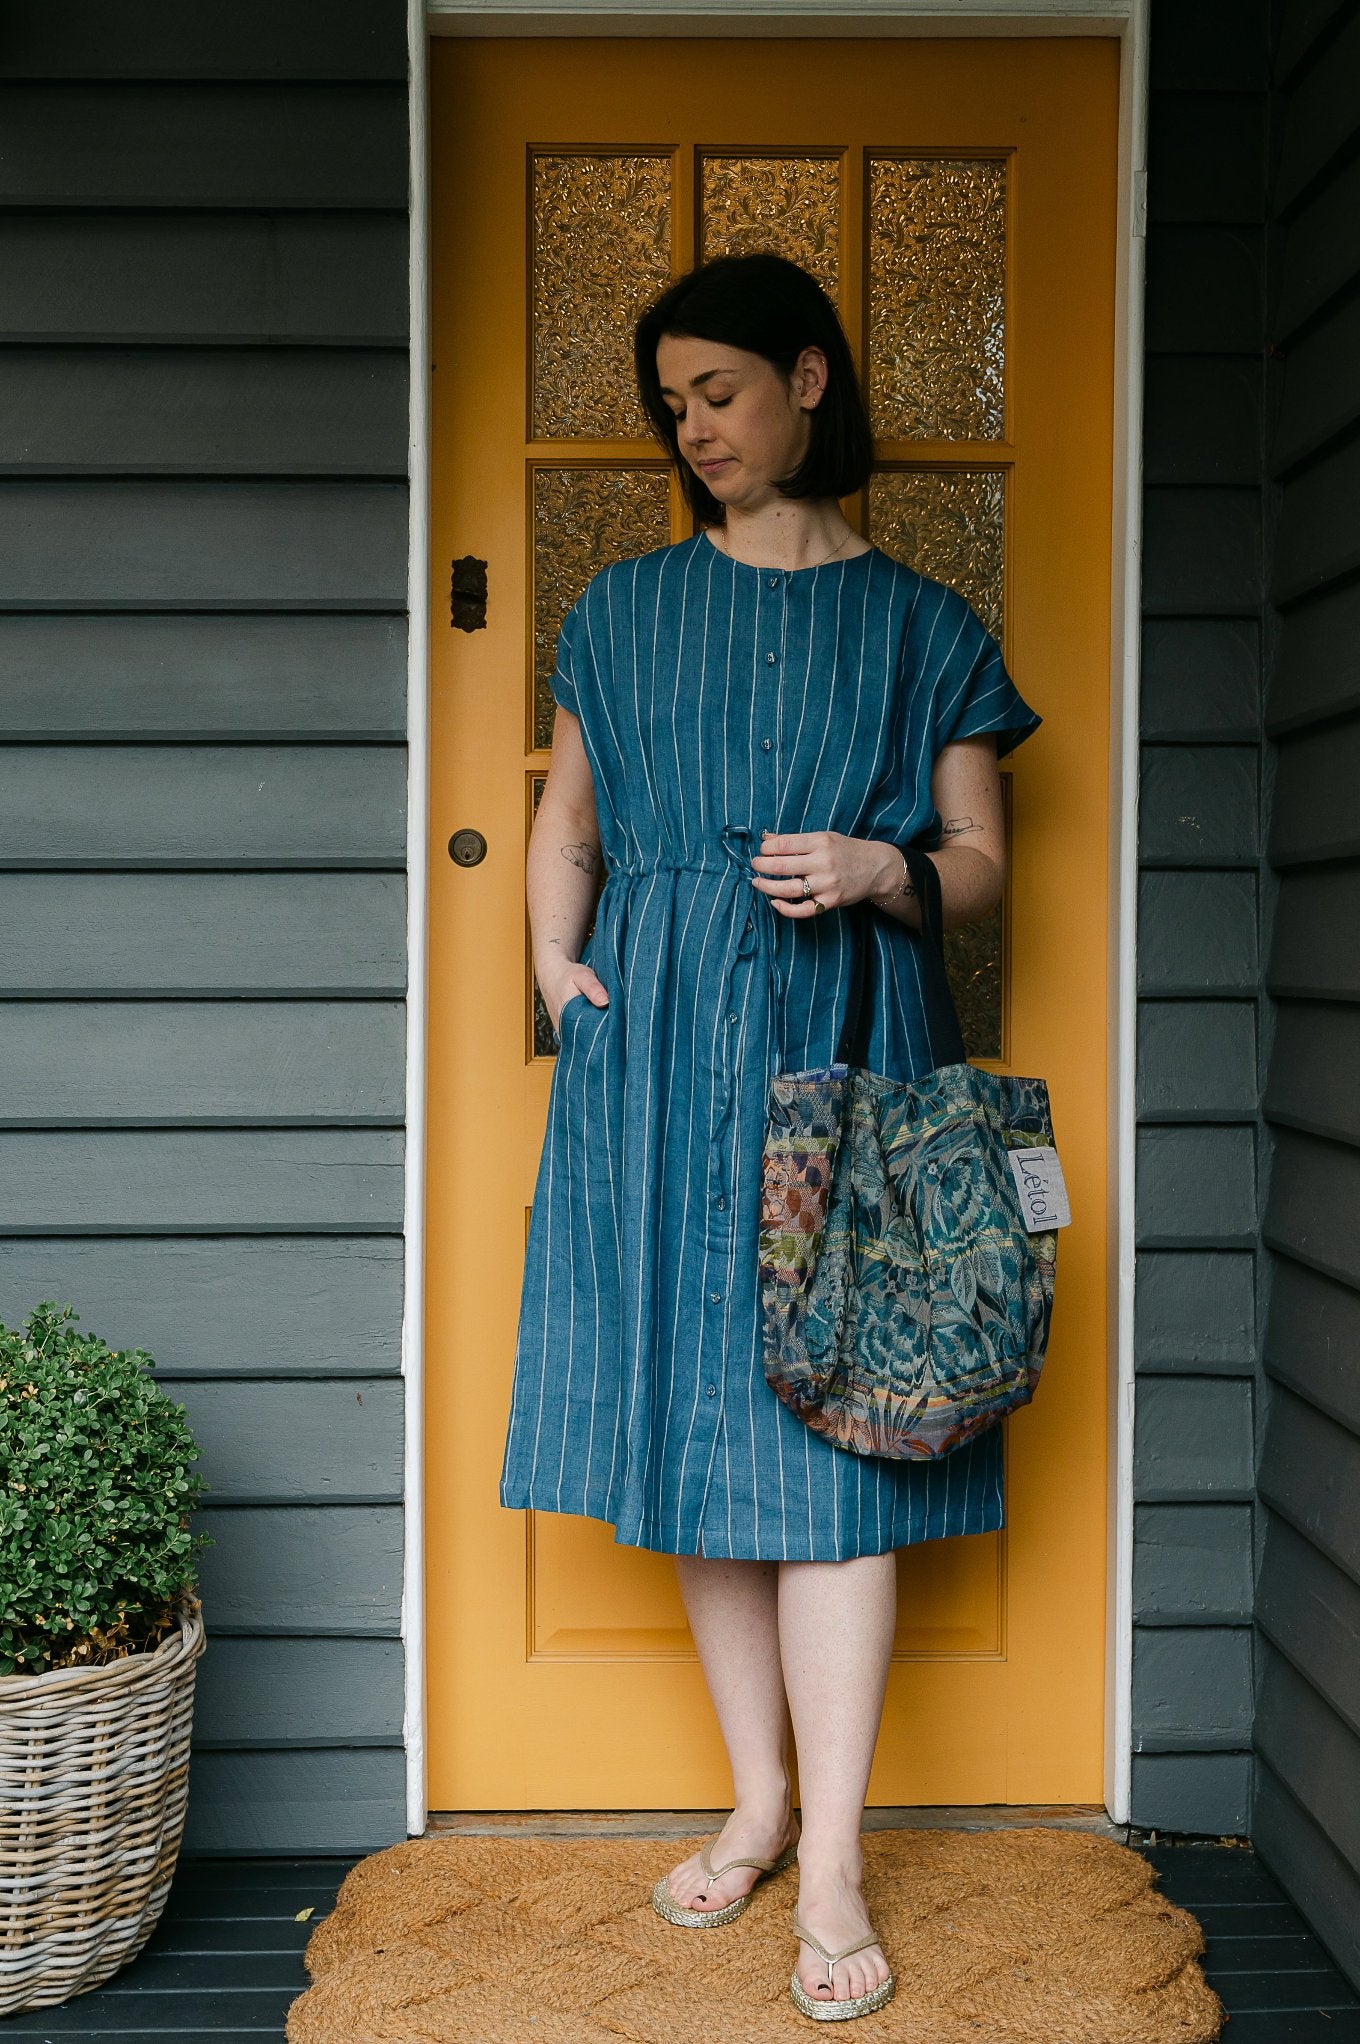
x=973, y=691
x=562, y=680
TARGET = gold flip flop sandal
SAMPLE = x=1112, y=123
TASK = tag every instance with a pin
x=665, y=1904
x=837, y=2011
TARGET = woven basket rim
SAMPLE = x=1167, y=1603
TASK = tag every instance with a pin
x=184, y=1645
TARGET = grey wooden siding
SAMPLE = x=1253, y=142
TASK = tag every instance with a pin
x=203, y=512
x=1197, y=1280
x=1307, y=1723
x=203, y=521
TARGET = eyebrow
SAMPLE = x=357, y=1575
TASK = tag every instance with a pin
x=695, y=381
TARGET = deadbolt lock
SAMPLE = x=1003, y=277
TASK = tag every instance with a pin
x=467, y=848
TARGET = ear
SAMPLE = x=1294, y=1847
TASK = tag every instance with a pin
x=810, y=373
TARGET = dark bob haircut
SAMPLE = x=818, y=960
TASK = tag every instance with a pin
x=775, y=308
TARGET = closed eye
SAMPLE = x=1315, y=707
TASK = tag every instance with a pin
x=715, y=403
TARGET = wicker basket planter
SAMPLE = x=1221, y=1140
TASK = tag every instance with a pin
x=94, y=1780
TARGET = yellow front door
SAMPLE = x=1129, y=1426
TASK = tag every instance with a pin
x=957, y=198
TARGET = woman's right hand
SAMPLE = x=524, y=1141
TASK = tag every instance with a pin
x=579, y=979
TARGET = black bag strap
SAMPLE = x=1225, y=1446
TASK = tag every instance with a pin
x=925, y=878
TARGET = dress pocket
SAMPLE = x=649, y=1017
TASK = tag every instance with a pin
x=570, y=1009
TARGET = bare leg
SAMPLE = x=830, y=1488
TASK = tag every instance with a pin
x=732, y=1608
x=836, y=1623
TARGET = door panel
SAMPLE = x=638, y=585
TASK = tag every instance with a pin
x=957, y=198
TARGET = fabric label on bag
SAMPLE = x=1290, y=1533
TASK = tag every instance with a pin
x=1039, y=1182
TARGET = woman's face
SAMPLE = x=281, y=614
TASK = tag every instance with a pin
x=741, y=423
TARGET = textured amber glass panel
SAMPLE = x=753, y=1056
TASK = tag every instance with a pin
x=973, y=960
x=973, y=963
x=789, y=205
x=544, y=1040
x=542, y=1035
x=600, y=248
x=937, y=297
x=584, y=518
x=949, y=523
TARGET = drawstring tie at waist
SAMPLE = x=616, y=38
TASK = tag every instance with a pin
x=749, y=933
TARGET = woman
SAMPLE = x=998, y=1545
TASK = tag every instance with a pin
x=751, y=721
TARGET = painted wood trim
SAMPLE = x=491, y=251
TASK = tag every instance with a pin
x=415, y=1779
x=782, y=17
x=1130, y=20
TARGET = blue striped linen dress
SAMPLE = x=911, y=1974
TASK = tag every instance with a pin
x=717, y=699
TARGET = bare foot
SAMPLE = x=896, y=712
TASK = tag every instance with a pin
x=832, y=1908
x=745, y=1835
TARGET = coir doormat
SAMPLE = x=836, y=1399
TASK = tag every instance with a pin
x=1034, y=1936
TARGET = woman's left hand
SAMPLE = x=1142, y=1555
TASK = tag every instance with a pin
x=838, y=869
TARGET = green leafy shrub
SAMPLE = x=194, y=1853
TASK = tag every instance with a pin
x=95, y=1492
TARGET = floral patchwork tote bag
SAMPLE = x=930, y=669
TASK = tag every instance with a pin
x=908, y=1234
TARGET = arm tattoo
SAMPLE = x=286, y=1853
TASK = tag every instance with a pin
x=956, y=824
x=584, y=855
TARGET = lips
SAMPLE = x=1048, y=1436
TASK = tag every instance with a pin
x=708, y=466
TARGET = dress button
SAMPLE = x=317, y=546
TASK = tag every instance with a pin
x=765, y=744
x=712, y=1390
x=715, y=1296
x=748, y=922
x=769, y=659
x=774, y=581
x=721, y=1200
x=731, y=1014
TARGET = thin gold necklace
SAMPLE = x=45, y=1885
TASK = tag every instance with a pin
x=807, y=564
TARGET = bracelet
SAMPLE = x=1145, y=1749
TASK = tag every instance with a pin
x=904, y=884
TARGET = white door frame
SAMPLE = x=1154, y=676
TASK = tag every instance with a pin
x=1128, y=20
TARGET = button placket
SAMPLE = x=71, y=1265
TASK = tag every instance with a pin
x=772, y=621
x=780, y=582
x=748, y=945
